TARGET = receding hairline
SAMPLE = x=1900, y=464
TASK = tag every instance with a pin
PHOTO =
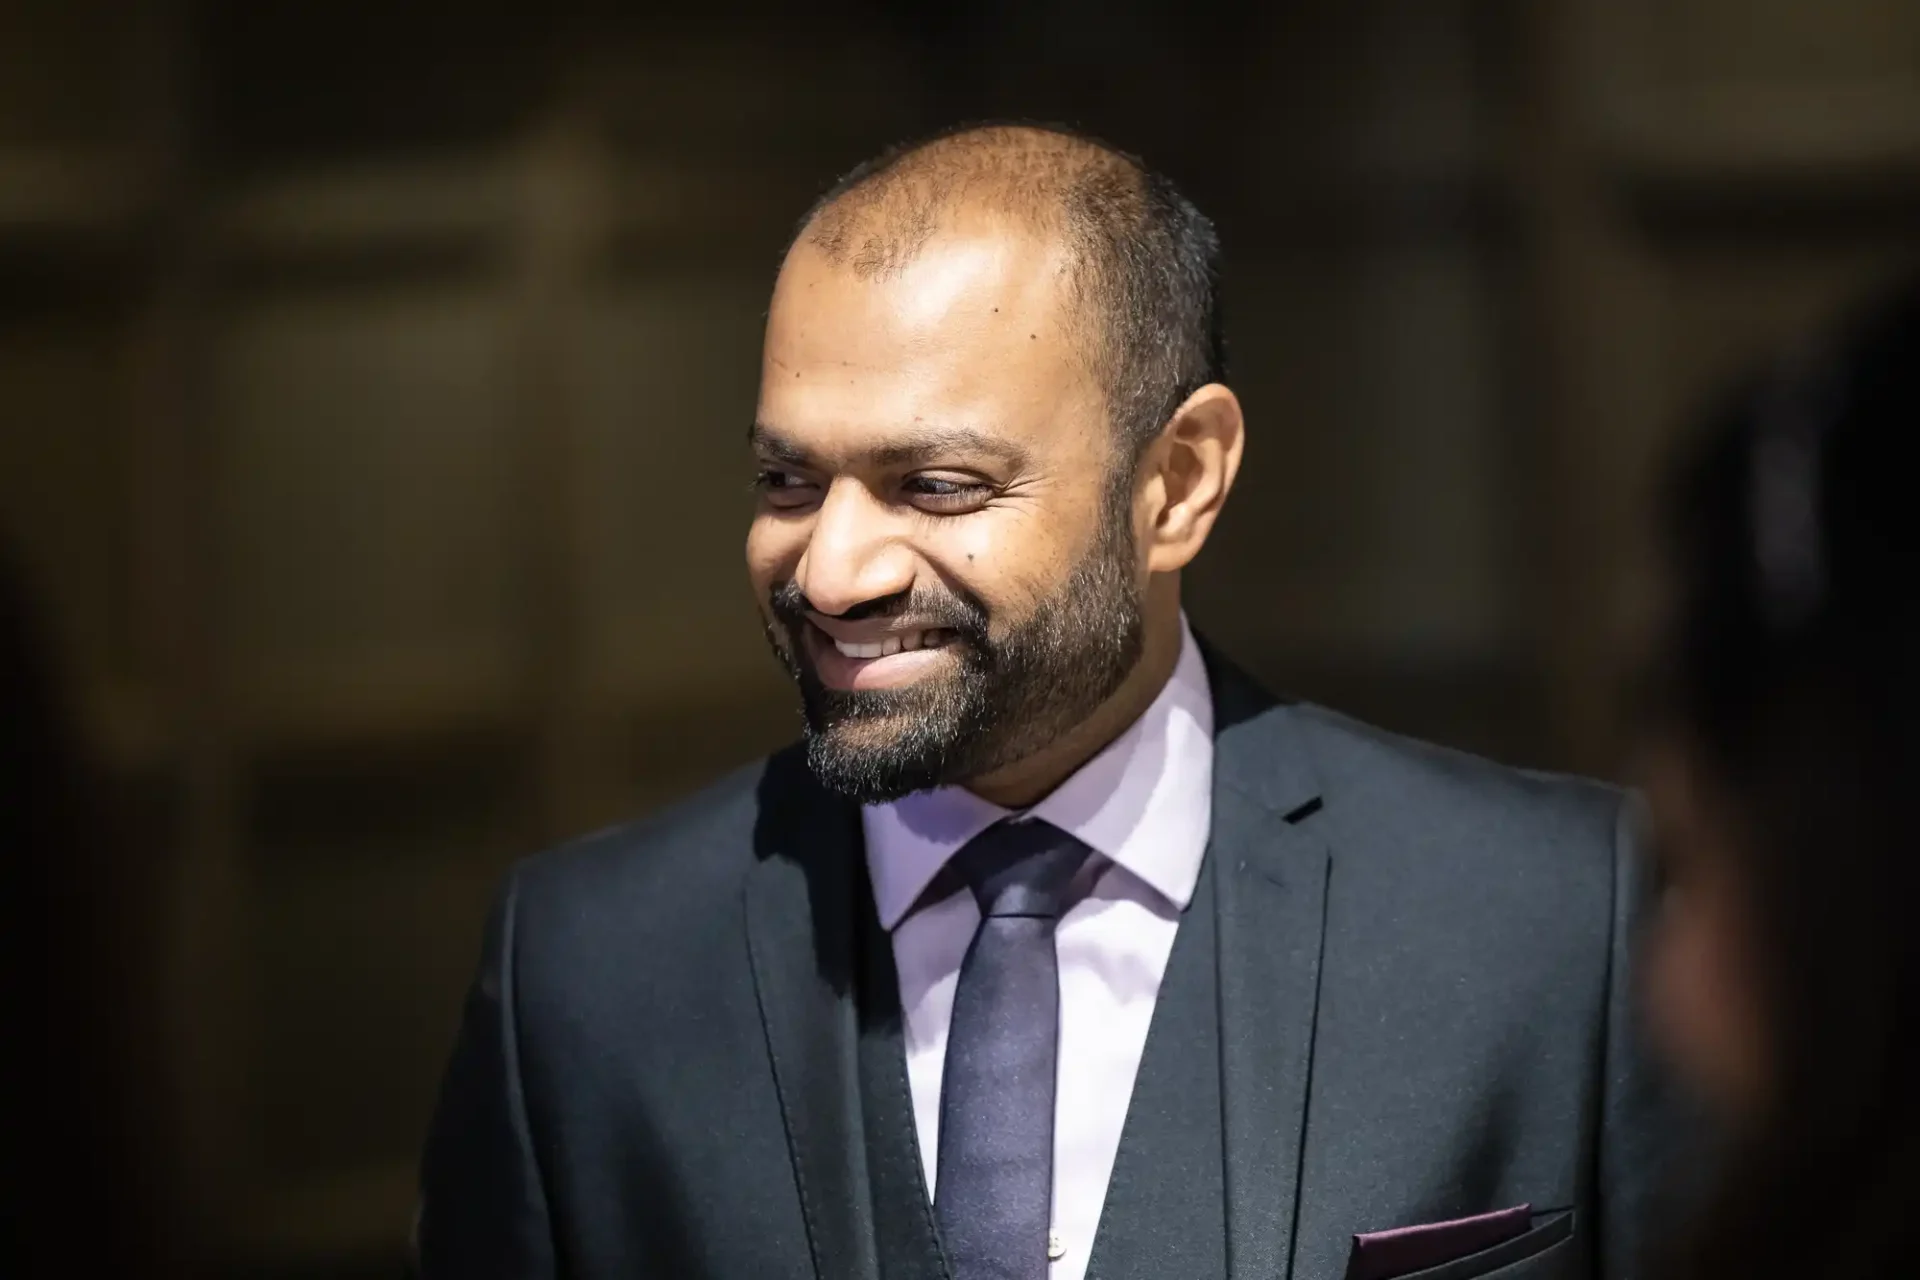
x=1138, y=263
x=885, y=214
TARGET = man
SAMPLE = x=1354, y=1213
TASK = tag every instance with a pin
x=1058, y=949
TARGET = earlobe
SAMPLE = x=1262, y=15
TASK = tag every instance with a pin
x=1197, y=458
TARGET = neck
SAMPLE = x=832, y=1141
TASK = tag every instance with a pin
x=1026, y=782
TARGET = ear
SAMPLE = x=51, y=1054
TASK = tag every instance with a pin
x=1187, y=475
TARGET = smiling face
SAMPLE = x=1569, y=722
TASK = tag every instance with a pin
x=944, y=545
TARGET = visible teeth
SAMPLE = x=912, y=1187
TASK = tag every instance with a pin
x=899, y=642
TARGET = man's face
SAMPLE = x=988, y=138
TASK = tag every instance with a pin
x=943, y=545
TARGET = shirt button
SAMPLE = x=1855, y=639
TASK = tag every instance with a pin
x=1056, y=1247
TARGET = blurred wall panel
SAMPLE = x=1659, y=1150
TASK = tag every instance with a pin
x=1369, y=552
x=1369, y=559
x=72, y=72
x=365, y=870
x=372, y=504
x=671, y=359
x=1833, y=56
x=370, y=480
x=669, y=471
x=1390, y=91
x=64, y=482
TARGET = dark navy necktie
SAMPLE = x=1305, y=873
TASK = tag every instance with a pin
x=993, y=1185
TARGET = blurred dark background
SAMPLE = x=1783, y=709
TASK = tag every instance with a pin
x=373, y=386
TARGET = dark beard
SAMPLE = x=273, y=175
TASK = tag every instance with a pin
x=1008, y=698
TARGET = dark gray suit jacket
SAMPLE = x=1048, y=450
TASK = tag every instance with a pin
x=1400, y=996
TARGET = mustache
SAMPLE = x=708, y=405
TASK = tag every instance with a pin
x=930, y=607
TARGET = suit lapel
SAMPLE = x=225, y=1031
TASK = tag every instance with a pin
x=801, y=935
x=1270, y=882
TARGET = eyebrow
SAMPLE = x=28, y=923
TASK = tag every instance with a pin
x=774, y=447
x=918, y=445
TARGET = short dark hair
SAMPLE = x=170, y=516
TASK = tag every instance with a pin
x=1147, y=262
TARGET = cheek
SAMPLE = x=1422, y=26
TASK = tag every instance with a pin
x=773, y=550
x=1009, y=560
x=1023, y=548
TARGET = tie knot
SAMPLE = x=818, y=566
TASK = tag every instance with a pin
x=1021, y=868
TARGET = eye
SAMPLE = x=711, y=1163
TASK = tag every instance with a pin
x=947, y=494
x=784, y=489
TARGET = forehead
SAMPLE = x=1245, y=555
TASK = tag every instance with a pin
x=973, y=332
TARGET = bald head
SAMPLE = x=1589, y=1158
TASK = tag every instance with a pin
x=986, y=449
x=1140, y=261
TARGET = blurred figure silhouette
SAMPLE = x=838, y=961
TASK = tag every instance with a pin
x=1784, y=967
x=70, y=1177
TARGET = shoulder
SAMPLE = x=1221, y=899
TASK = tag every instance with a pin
x=598, y=943
x=1444, y=832
x=1379, y=787
x=1396, y=780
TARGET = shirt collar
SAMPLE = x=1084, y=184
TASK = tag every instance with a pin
x=1145, y=803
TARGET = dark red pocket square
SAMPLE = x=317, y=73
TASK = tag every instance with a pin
x=1382, y=1255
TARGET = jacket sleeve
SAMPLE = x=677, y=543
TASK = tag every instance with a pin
x=1643, y=1122
x=483, y=1208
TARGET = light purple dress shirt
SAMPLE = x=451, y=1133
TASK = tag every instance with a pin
x=1145, y=806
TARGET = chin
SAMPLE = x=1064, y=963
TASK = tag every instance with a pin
x=876, y=760
x=852, y=776
x=877, y=736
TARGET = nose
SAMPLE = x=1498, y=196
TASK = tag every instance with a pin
x=855, y=552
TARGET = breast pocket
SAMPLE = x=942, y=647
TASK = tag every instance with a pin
x=1543, y=1252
